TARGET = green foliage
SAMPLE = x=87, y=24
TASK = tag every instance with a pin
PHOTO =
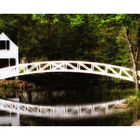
x=41, y=18
x=119, y=19
x=134, y=100
x=76, y=20
x=137, y=94
x=71, y=37
x=44, y=19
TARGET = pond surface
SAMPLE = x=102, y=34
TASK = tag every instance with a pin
x=69, y=89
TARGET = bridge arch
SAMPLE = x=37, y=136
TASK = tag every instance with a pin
x=68, y=66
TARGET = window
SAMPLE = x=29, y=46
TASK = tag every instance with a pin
x=4, y=63
x=7, y=62
x=12, y=61
x=4, y=45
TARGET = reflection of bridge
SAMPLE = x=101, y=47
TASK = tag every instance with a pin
x=73, y=111
x=67, y=66
x=76, y=111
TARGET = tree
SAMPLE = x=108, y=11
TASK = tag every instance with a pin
x=130, y=24
x=24, y=32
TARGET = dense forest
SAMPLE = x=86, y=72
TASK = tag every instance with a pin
x=110, y=38
x=72, y=37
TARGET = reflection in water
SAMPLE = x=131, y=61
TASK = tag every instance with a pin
x=74, y=89
x=9, y=119
x=124, y=119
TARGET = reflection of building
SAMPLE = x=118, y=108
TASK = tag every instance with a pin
x=10, y=120
x=8, y=52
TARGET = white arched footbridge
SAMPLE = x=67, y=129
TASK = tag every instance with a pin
x=75, y=111
x=68, y=66
x=69, y=111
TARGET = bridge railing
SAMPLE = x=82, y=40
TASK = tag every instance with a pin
x=68, y=66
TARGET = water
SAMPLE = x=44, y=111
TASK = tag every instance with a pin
x=9, y=119
x=69, y=89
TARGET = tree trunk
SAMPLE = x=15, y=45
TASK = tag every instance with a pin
x=134, y=56
x=135, y=77
x=133, y=59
